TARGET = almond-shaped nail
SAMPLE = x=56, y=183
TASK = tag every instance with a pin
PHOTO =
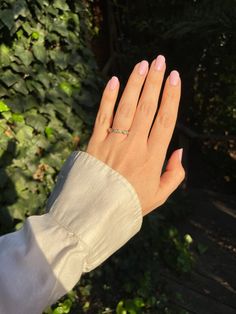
x=113, y=83
x=180, y=154
x=159, y=63
x=143, y=67
x=174, y=78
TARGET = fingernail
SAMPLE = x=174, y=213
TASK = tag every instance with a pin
x=180, y=153
x=174, y=78
x=143, y=67
x=113, y=83
x=159, y=63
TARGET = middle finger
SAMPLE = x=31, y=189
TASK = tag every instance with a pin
x=148, y=101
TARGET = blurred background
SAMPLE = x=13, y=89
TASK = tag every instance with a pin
x=55, y=59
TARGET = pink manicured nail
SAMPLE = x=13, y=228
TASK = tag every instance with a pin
x=180, y=153
x=113, y=83
x=143, y=67
x=174, y=78
x=159, y=63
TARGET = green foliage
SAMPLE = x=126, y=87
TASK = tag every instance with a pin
x=64, y=306
x=176, y=250
x=48, y=91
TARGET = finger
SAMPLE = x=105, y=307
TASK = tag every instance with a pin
x=148, y=101
x=129, y=99
x=165, y=121
x=172, y=177
x=105, y=113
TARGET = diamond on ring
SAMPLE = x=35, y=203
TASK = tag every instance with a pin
x=111, y=130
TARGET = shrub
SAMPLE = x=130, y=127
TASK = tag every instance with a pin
x=48, y=90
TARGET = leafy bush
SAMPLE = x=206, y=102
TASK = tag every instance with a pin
x=48, y=92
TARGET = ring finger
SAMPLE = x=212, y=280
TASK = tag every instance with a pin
x=129, y=99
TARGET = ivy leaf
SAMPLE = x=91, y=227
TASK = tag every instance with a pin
x=27, y=28
x=66, y=88
x=23, y=54
x=4, y=55
x=20, y=87
x=7, y=115
x=3, y=106
x=3, y=91
x=20, y=8
x=43, y=78
x=48, y=131
x=60, y=27
x=25, y=134
x=61, y=4
x=9, y=78
x=17, y=117
x=37, y=121
x=7, y=17
x=40, y=52
x=37, y=87
x=60, y=58
x=52, y=11
x=43, y=3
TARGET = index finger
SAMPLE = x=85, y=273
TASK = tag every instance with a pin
x=164, y=124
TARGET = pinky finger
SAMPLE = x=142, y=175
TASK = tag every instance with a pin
x=106, y=109
x=172, y=177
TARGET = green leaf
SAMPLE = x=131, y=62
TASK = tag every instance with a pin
x=20, y=8
x=120, y=308
x=23, y=54
x=37, y=121
x=66, y=88
x=40, y=52
x=20, y=87
x=3, y=106
x=9, y=78
x=48, y=131
x=61, y=4
x=44, y=78
x=7, y=115
x=4, y=55
x=17, y=117
x=24, y=134
x=35, y=35
x=7, y=17
x=60, y=27
x=60, y=58
x=3, y=91
x=27, y=28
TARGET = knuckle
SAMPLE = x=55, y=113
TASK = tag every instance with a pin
x=163, y=200
x=124, y=110
x=166, y=119
x=103, y=118
x=146, y=107
x=181, y=174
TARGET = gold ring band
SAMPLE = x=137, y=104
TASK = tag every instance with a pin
x=111, y=130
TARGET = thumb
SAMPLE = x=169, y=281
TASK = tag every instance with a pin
x=174, y=174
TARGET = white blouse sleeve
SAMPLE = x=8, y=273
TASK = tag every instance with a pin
x=92, y=211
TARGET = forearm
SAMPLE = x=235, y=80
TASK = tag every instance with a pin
x=93, y=211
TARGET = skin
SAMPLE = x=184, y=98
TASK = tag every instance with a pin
x=140, y=155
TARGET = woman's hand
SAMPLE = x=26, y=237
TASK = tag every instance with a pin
x=140, y=155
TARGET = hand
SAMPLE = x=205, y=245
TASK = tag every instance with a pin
x=140, y=155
